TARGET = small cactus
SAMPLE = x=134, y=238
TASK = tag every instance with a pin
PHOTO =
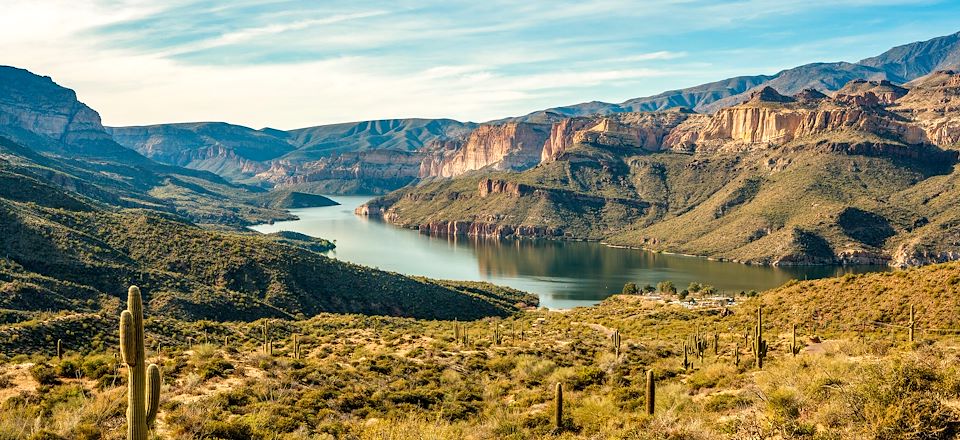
x=794, y=348
x=143, y=385
x=558, y=408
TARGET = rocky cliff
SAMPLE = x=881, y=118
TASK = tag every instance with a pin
x=36, y=110
x=642, y=131
x=507, y=146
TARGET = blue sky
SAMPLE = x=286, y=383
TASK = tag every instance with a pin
x=290, y=64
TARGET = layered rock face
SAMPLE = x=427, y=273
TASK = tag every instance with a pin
x=770, y=118
x=38, y=105
x=516, y=145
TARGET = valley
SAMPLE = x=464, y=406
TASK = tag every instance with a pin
x=767, y=256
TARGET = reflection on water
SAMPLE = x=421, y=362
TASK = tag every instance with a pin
x=563, y=274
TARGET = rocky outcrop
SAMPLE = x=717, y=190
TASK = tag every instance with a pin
x=487, y=230
x=934, y=103
x=885, y=91
x=510, y=146
x=768, y=118
x=489, y=187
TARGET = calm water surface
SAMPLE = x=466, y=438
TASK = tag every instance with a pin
x=563, y=274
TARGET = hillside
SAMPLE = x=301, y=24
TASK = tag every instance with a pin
x=63, y=251
x=82, y=216
x=353, y=376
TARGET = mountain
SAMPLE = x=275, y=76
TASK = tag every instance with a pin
x=862, y=177
x=82, y=217
x=391, y=134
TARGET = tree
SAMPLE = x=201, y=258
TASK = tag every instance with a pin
x=694, y=287
x=666, y=287
x=683, y=294
x=649, y=289
x=630, y=289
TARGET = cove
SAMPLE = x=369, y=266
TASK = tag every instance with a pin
x=563, y=274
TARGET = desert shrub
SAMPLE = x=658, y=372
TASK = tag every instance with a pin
x=214, y=367
x=712, y=376
x=44, y=374
x=725, y=402
x=584, y=377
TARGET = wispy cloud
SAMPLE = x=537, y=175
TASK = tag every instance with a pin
x=289, y=63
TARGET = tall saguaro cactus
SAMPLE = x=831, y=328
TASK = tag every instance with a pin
x=913, y=322
x=651, y=392
x=143, y=383
x=759, y=345
x=59, y=348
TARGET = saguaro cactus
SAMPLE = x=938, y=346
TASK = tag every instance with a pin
x=651, y=392
x=759, y=345
x=143, y=385
x=686, y=362
x=794, y=348
x=558, y=408
x=913, y=322
x=59, y=348
x=615, y=337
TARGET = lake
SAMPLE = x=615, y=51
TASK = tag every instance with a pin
x=563, y=274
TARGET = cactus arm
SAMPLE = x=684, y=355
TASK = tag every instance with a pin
x=153, y=393
x=126, y=338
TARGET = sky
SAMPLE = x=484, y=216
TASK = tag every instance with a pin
x=291, y=64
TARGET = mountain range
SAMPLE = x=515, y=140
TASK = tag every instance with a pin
x=378, y=156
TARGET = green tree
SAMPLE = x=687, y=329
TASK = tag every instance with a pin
x=649, y=289
x=694, y=287
x=683, y=294
x=630, y=289
x=666, y=287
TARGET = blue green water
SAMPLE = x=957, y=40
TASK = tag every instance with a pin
x=563, y=274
